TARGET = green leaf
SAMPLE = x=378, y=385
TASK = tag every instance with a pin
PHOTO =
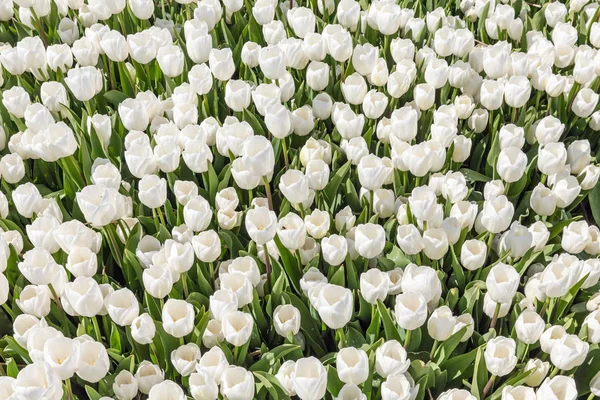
x=12, y=369
x=269, y=360
x=332, y=188
x=480, y=376
x=474, y=176
x=115, y=97
x=309, y=326
x=271, y=384
x=389, y=327
x=459, y=366
x=92, y=394
x=447, y=347
x=594, y=198
x=290, y=264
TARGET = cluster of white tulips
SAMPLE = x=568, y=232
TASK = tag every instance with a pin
x=265, y=199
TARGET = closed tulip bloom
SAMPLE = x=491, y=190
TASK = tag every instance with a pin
x=441, y=324
x=84, y=82
x=286, y=320
x=93, y=363
x=410, y=310
x=424, y=95
x=197, y=214
x=543, y=200
x=178, y=318
x=473, y=254
x=502, y=283
x=185, y=358
x=171, y=60
x=203, y=386
x=566, y=190
x=240, y=285
x=398, y=387
x=237, y=95
x=294, y=186
x=529, y=327
x=497, y=214
x=84, y=295
x=511, y=164
x=317, y=223
x=374, y=285
x=578, y=155
x=317, y=172
x=125, y=385
x=335, y=306
x=334, y=249
x=158, y=280
x=237, y=327
x=261, y=224
x=214, y=363
x=350, y=392
x=258, y=155
x=143, y=329
x=352, y=365
x=34, y=300
x=500, y=357
x=569, y=352
x=575, y=237
x=38, y=380
x=122, y=306
x=221, y=63
x=492, y=94
x=369, y=240
x=456, y=394
x=422, y=202
x=409, y=239
x=517, y=91
x=309, y=379
x=435, y=243
x=518, y=393
x=423, y=280
x=552, y=158
x=237, y=384
x=558, y=388
x=584, y=103
x=541, y=370
x=166, y=390
x=115, y=46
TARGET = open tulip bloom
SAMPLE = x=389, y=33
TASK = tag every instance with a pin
x=275, y=199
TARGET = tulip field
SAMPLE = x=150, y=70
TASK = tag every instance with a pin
x=299, y=199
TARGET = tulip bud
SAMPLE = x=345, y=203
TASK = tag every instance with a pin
x=352, y=365
x=125, y=385
x=335, y=306
x=309, y=378
x=500, y=358
x=410, y=310
x=441, y=324
x=178, y=318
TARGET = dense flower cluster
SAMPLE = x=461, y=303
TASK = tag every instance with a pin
x=315, y=199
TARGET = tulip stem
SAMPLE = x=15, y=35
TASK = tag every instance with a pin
x=268, y=190
x=495, y=318
x=554, y=372
x=69, y=389
x=96, y=328
x=434, y=348
x=342, y=336
x=285, y=151
x=407, y=339
x=186, y=291
x=10, y=312
x=488, y=386
x=268, y=266
x=371, y=201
